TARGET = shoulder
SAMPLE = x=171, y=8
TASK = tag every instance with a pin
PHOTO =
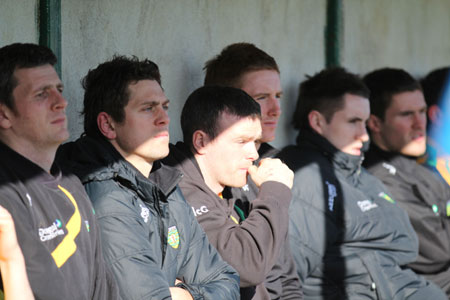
x=109, y=198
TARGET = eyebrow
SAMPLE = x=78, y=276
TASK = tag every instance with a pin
x=356, y=119
x=153, y=102
x=266, y=94
x=48, y=86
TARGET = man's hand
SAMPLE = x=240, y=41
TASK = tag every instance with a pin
x=9, y=247
x=180, y=293
x=271, y=169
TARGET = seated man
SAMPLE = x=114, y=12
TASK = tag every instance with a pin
x=247, y=67
x=437, y=96
x=55, y=226
x=151, y=238
x=349, y=240
x=220, y=127
x=398, y=131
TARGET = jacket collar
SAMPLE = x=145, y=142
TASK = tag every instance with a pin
x=348, y=165
x=97, y=160
x=376, y=155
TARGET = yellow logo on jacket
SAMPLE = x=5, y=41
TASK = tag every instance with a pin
x=173, y=238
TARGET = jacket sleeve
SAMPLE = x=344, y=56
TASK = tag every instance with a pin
x=253, y=246
x=311, y=231
x=433, y=229
x=204, y=273
x=126, y=245
x=105, y=283
x=283, y=280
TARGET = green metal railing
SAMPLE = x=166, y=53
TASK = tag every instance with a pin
x=333, y=33
x=49, y=20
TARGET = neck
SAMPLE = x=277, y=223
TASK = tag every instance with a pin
x=43, y=155
x=214, y=185
x=143, y=166
x=378, y=141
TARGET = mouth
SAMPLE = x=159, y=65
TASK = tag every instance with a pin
x=419, y=138
x=271, y=123
x=163, y=134
x=61, y=120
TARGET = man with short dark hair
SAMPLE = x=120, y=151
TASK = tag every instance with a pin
x=398, y=132
x=151, y=239
x=244, y=66
x=55, y=225
x=437, y=96
x=348, y=238
x=220, y=128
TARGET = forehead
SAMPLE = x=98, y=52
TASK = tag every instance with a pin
x=407, y=101
x=354, y=106
x=260, y=79
x=235, y=125
x=145, y=91
x=36, y=76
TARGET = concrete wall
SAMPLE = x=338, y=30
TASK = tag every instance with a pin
x=409, y=34
x=18, y=21
x=180, y=35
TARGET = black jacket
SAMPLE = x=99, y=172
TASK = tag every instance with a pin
x=282, y=282
x=56, y=230
x=348, y=239
x=149, y=233
x=426, y=198
x=252, y=246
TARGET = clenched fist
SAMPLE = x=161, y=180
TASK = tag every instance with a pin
x=271, y=169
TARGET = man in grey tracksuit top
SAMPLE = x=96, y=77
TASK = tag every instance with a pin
x=348, y=237
x=154, y=245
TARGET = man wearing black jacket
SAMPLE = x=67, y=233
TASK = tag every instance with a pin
x=244, y=66
x=348, y=237
x=398, y=130
x=151, y=239
x=220, y=128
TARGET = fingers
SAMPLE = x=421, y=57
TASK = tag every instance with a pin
x=271, y=169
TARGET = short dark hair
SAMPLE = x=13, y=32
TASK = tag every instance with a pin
x=106, y=88
x=434, y=85
x=325, y=92
x=385, y=83
x=20, y=56
x=227, y=68
x=205, y=105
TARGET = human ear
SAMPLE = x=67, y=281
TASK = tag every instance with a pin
x=316, y=121
x=374, y=124
x=434, y=113
x=199, y=141
x=106, y=125
x=5, y=116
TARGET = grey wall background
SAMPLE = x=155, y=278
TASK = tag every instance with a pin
x=180, y=35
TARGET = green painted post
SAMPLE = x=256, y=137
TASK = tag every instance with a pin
x=50, y=28
x=333, y=33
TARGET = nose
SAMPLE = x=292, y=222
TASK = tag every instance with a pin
x=274, y=107
x=59, y=102
x=252, y=152
x=362, y=134
x=163, y=118
x=420, y=120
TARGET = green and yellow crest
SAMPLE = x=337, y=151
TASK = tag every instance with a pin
x=173, y=238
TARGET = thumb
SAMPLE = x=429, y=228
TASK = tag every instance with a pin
x=252, y=170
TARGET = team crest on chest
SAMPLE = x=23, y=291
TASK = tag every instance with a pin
x=173, y=238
